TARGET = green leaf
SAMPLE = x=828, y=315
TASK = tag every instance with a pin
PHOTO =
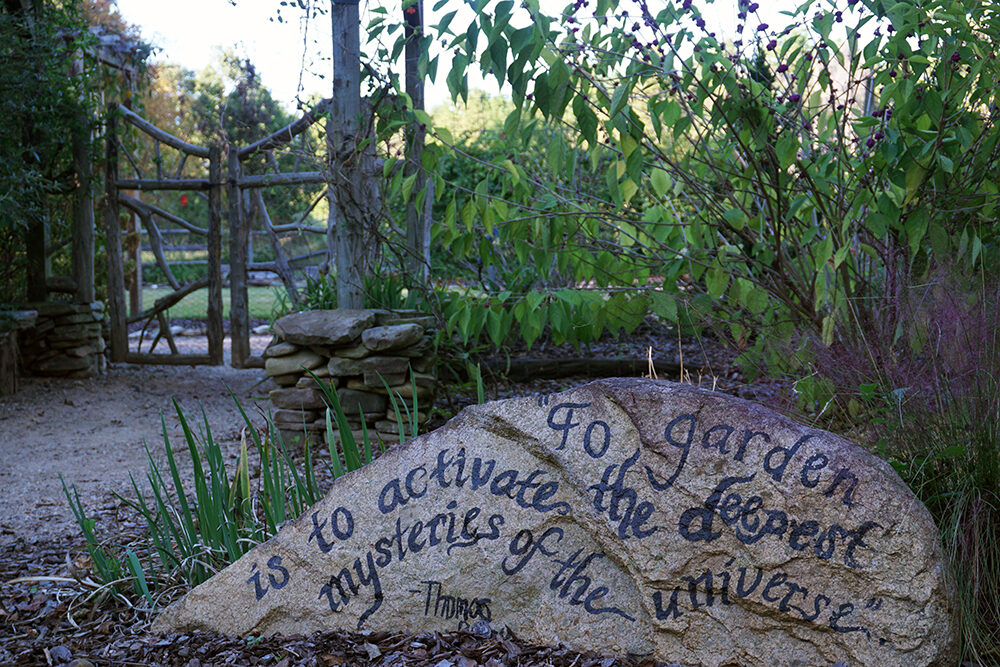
x=756, y=301
x=878, y=224
x=498, y=54
x=787, y=149
x=916, y=227
x=611, y=180
x=501, y=16
x=660, y=181
x=665, y=305
x=519, y=39
x=408, y=184
x=620, y=98
x=628, y=189
x=586, y=119
x=671, y=113
x=541, y=93
x=952, y=451
x=736, y=218
x=716, y=281
x=914, y=179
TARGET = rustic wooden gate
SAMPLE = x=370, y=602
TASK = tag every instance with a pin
x=245, y=204
x=117, y=196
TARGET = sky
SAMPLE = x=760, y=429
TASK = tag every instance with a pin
x=192, y=33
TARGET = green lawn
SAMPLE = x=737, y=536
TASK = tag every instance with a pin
x=195, y=305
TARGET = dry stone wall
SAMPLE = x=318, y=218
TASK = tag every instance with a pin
x=65, y=341
x=626, y=516
x=360, y=352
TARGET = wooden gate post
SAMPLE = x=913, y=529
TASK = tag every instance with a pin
x=113, y=232
x=83, y=204
x=346, y=183
x=239, y=319
x=418, y=224
x=215, y=333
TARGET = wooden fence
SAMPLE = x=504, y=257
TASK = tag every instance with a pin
x=244, y=202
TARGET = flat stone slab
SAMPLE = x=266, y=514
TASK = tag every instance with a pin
x=299, y=362
x=355, y=402
x=355, y=352
x=324, y=327
x=384, y=365
x=626, y=516
x=392, y=337
x=341, y=366
x=280, y=350
x=297, y=398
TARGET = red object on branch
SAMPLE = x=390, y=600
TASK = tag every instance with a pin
x=184, y=200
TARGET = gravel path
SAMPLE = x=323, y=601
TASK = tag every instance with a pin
x=92, y=433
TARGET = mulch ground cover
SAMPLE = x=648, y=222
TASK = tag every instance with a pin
x=52, y=613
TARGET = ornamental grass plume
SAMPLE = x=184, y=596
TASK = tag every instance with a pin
x=924, y=387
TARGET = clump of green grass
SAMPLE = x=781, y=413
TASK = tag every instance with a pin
x=189, y=537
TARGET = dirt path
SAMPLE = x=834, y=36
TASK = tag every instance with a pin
x=92, y=431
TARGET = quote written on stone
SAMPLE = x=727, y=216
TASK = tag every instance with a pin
x=637, y=517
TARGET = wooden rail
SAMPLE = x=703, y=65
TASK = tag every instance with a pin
x=158, y=134
x=169, y=300
x=289, y=132
x=164, y=184
x=291, y=178
x=141, y=206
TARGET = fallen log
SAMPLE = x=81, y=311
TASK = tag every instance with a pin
x=529, y=368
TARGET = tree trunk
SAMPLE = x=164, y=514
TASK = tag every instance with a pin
x=215, y=332
x=239, y=317
x=113, y=236
x=346, y=177
x=83, y=204
x=418, y=229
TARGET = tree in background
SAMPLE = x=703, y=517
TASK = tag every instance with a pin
x=42, y=104
x=38, y=104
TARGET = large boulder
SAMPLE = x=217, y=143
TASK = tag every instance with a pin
x=627, y=516
x=324, y=327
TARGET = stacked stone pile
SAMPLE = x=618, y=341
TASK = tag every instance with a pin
x=65, y=341
x=359, y=352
